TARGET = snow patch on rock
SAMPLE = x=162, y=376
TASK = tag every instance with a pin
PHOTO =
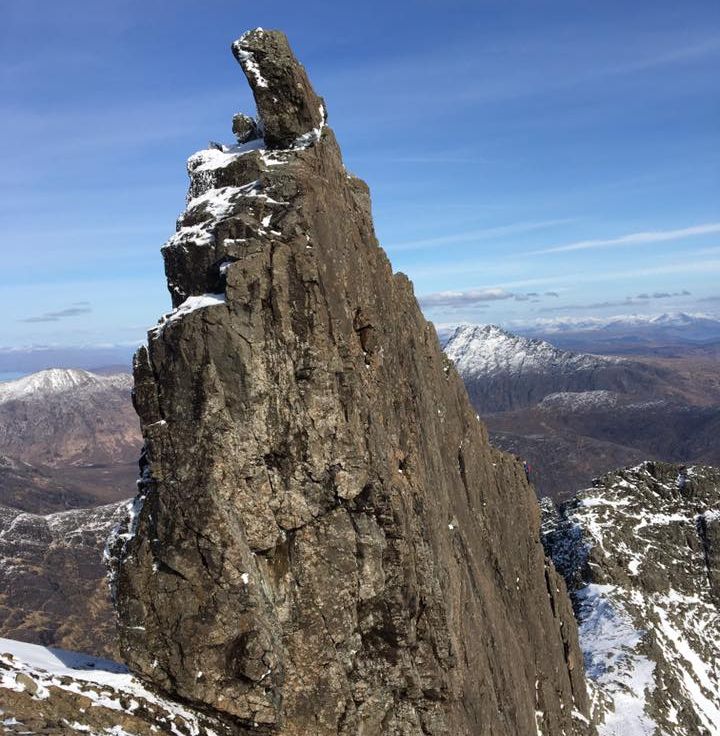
x=47, y=673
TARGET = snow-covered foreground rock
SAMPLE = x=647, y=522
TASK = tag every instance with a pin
x=641, y=554
x=52, y=691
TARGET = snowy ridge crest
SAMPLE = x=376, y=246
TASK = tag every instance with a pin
x=488, y=350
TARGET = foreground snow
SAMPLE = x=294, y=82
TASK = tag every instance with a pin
x=39, y=680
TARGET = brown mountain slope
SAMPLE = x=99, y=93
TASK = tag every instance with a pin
x=53, y=587
x=575, y=416
x=583, y=435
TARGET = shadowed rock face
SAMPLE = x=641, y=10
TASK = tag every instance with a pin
x=324, y=541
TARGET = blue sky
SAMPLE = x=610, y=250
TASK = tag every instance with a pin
x=527, y=159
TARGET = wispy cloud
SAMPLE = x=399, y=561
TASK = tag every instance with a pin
x=696, y=49
x=475, y=298
x=468, y=298
x=640, y=300
x=662, y=295
x=76, y=310
x=481, y=234
x=641, y=238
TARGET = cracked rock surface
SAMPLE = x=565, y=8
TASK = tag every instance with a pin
x=324, y=541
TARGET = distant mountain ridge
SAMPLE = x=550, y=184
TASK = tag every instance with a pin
x=503, y=371
x=671, y=333
x=574, y=416
x=68, y=416
x=627, y=334
x=699, y=322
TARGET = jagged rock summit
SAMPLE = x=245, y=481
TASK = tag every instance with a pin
x=289, y=108
x=324, y=542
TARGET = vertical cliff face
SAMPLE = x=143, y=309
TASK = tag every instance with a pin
x=324, y=542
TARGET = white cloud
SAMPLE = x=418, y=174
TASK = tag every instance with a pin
x=468, y=298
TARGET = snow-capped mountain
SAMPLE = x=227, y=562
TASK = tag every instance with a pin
x=68, y=416
x=504, y=371
x=574, y=416
x=56, y=381
x=640, y=552
x=487, y=350
x=704, y=325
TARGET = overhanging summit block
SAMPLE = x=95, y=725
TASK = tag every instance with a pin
x=324, y=542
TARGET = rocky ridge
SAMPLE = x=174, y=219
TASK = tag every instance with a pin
x=322, y=541
x=640, y=552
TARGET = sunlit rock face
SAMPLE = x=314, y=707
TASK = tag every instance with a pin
x=324, y=542
x=641, y=554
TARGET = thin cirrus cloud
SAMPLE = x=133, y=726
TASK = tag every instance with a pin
x=77, y=309
x=642, y=238
x=481, y=234
x=663, y=294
